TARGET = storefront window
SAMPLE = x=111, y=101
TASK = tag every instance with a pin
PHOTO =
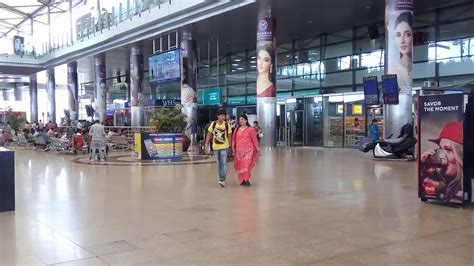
x=354, y=120
x=334, y=121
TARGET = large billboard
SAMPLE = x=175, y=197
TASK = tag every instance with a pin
x=165, y=67
x=441, y=171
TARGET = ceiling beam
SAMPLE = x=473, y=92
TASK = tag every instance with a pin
x=32, y=15
x=13, y=10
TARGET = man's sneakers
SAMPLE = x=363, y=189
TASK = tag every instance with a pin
x=221, y=183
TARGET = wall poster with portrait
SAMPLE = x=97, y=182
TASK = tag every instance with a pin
x=266, y=56
x=440, y=151
x=399, y=23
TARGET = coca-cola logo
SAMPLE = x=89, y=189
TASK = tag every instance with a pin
x=430, y=190
x=263, y=25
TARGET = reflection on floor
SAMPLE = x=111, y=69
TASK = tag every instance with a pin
x=305, y=206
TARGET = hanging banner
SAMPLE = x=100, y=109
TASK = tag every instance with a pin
x=18, y=45
x=399, y=23
x=101, y=90
x=72, y=88
x=440, y=153
x=136, y=78
x=266, y=55
x=188, y=78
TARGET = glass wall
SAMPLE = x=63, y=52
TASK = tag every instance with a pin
x=338, y=62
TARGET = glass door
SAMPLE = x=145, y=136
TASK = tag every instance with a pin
x=294, y=120
x=314, y=122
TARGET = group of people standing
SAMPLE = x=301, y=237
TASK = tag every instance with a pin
x=239, y=140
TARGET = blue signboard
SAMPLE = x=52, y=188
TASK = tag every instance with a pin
x=390, y=89
x=163, y=102
x=371, y=91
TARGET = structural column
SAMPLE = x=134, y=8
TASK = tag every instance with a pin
x=266, y=72
x=100, y=88
x=73, y=89
x=399, y=61
x=136, y=86
x=33, y=98
x=51, y=96
x=18, y=92
x=188, y=77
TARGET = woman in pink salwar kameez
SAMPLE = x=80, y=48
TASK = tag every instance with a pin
x=245, y=148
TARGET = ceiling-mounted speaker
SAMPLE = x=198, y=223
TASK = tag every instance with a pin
x=373, y=31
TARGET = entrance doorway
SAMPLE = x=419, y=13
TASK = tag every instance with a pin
x=296, y=125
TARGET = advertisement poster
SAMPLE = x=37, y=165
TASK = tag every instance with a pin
x=188, y=84
x=136, y=79
x=399, y=28
x=153, y=146
x=440, y=153
x=18, y=45
x=72, y=88
x=266, y=56
x=101, y=91
x=165, y=67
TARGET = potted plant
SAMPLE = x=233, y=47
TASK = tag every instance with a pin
x=15, y=119
x=171, y=121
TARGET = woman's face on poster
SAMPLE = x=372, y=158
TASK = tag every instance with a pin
x=452, y=168
x=404, y=38
x=264, y=62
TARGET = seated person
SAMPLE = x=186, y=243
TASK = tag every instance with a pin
x=406, y=132
x=110, y=134
x=51, y=133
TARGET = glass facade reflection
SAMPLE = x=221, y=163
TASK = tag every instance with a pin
x=338, y=62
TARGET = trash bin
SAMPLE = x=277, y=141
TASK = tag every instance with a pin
x=7, y=180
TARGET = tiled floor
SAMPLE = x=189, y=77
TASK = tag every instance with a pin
x=306, y=206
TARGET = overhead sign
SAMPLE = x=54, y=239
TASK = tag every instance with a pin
x=238, y=100
x=211, y=96
x=371, y=91
x=390, y=89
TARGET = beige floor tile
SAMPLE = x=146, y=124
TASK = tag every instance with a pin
x=20, y=260
x=85, y=262
x=64, y=255
x=111, y=248
x=375, y=258
x=305, y=207
x=443, y=259
x=188, y=235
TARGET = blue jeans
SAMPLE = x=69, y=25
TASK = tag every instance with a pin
x=221, y=158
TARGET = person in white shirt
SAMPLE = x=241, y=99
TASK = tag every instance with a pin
x=98, y=141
